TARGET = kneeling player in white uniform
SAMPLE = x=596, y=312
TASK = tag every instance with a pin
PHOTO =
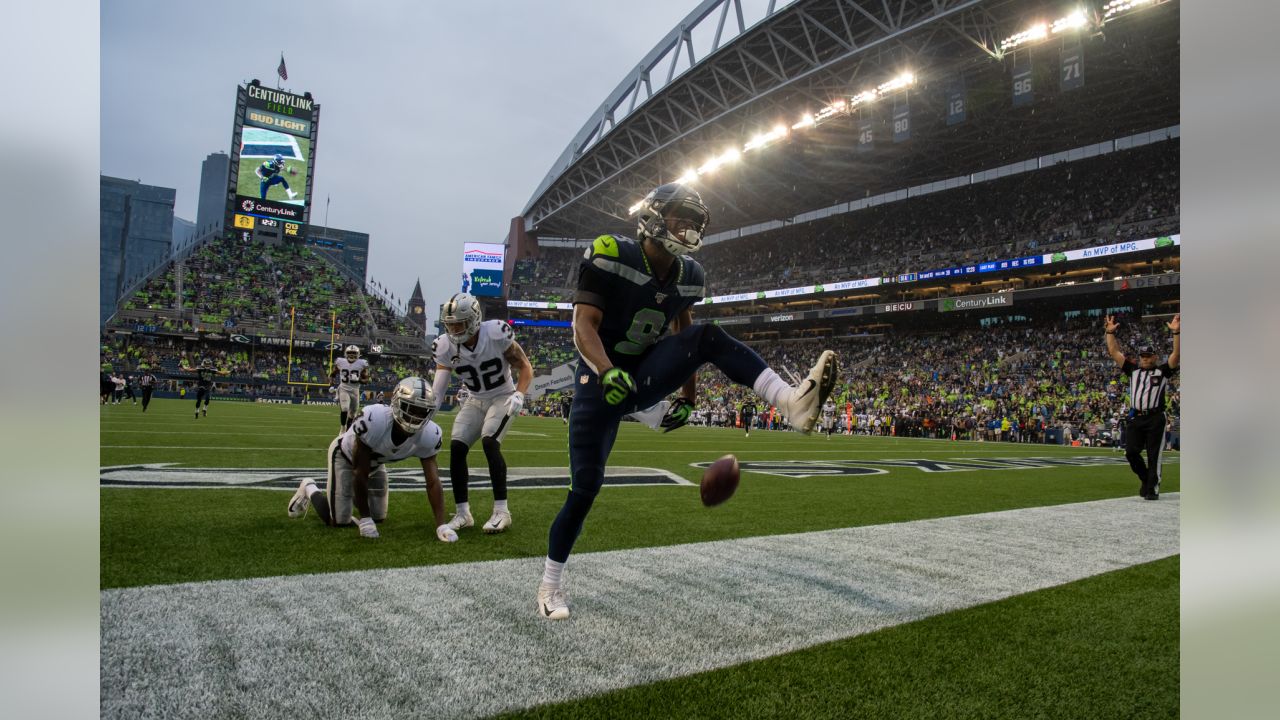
x=483, y=353
x=348, y=373
x=357, y=461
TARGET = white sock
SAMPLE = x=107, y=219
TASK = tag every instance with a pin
x=310, y=489
x=463, y=508
x=771, y=387
x=551, y=573
x=500, y=505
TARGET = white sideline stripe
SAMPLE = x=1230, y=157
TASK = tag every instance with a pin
x=463, y=640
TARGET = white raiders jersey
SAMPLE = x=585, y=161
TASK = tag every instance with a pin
x=829, y=410
x=349, y=372
x=484, y=371
x=373, y=427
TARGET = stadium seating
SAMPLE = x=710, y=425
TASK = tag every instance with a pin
x=1102, y=200
x=936, y=383
x=251, y=287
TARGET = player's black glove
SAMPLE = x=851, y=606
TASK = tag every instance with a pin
x=677, y=415
x=618, y=385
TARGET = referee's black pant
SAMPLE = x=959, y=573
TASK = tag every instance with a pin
x=1145, y=431
x=146, y=398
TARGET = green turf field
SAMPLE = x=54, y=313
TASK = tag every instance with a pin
x=1081, y=649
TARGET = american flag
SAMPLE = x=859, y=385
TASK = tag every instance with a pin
x=282, y=71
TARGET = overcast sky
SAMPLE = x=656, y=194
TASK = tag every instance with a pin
x=438, y=119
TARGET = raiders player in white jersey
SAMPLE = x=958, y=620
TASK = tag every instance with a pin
x=483, y=354
x=349, y=371
x=828, y=418
x=357, y=460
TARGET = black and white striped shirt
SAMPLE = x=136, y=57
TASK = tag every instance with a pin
x=1146, y=387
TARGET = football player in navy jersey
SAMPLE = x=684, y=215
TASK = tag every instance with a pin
x=269, y=173
x=637, y=343
x=204, y=384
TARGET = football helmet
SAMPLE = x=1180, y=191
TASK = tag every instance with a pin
x=675, y=201
x=412, y=404
x=278, y=159
x=462, y=308
x=353, y=353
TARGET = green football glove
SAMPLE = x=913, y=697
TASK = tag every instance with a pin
x=677, y=415
x=618, y=385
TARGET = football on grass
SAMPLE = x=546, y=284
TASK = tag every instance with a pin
x=719, y=481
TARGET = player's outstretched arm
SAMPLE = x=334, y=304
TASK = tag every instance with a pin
x=1113, y=348
x=520, y=363
x=1175, y=326
x=586, y=336
x=440, y=385
x=435, y=495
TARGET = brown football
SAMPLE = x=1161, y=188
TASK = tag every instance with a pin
x=719, y=481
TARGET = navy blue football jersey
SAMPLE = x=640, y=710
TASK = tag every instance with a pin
x=615, y=276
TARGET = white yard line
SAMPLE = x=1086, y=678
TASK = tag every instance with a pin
x=463, y=640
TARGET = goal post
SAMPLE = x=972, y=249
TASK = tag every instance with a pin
x=333, y=334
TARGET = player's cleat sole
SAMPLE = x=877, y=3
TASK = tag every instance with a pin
x=499, y=522
x=553, y=604
x=299, y=503
x=808, y=397
x=460, y=521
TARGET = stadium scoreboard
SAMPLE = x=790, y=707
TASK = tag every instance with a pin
x=273, y=152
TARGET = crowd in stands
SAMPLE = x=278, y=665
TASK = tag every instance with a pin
x=233, y=284
x=546, y=347
x=1009, y=382
x=250, y=370
x=1110, y=198
x=546, y=276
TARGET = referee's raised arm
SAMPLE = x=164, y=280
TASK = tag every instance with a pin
x=1175, y=326
x=1113, y=348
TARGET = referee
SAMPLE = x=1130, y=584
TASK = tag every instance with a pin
x=1147, y=384
x=148, y=383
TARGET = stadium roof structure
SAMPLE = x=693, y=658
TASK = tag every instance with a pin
x=715, y=81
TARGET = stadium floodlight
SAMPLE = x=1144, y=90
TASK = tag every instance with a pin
x=1074, y=21
x=765, y=139
x=632, y=210
x=806, y=121
x=689, y=176
x=897, y=83
x=1039, y=31
x=831, y=110
x=1116, y=8
x=866, y=96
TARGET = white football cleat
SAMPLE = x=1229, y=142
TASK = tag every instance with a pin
x=499, y=521
x=300, y=503
x=292, y=194
x=460, y=521
x=367, y=528
x=802, y=405
x=553, y=604
x=652, y=417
